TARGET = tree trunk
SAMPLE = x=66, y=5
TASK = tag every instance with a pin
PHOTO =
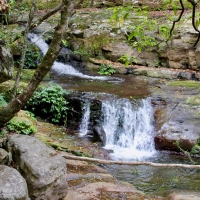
x=8, y=112
x=19, y=72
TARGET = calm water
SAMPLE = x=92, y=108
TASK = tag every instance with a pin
x=159, y=181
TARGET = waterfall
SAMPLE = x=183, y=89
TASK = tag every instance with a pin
x=83, y=129
x=129, y=129
x=62, y=68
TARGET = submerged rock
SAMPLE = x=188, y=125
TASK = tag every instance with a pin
x=43, y=169
x=12, y=185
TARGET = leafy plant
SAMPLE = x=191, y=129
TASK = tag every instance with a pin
x=32, y=58
x=127, y=60
x=2, y=101
x=84, y=53
x=135, y=171
x=3, y=133
x=188, y=154
x=21, y=127
x=50, y=104
x=106, y=70
x=119, y=15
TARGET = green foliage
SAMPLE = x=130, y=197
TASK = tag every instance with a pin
x=50, y=103
x=196, y=147
x=2, y=101
x=31, y=58
x=188, y=154
x=127, y=60
x=3, y=133
x=139, y=37
x=64, y=43
x=83, y=52
x=119, y=15
x=135, y=171
x=21, y=127
x=106, y=70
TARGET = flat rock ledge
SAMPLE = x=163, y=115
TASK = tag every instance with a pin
x=41, y=167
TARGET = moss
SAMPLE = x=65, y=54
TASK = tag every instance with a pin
x=195, y=100
x=187, y=84
x=28, y=73
x=196, y=147
x=43, y=4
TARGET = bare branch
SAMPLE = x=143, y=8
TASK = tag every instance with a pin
x=179, y=18
x=193, y=22
x=19, y=72
x=40, y=20
x=111, y=162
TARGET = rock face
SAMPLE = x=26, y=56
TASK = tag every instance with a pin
x=177, y=122
x=43, y=169
x=12, y=185
x=99, y=134
x=6, y=64
x=96, y=35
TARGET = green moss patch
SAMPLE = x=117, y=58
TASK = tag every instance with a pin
x=189, y=84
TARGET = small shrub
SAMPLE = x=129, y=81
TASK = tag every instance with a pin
x=106, y=70
x=32, y=58
x=2, y=101
x=21, y=127
x=50, y=104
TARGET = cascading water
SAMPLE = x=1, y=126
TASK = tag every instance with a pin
x=129, y=129
x=59, y=67
x=83, y=129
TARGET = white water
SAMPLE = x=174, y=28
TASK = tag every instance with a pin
x=129, y=130
x=83, y=129
x=59, y=67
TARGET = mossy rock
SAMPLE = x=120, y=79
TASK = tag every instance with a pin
x=22, y=123
x=28, y=73
x=195, y=100
x=43, y=4
x=186, y=84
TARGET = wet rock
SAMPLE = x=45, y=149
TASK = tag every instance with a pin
x=177, y=121
x=186, y=195
x=12, y=185
x=99, y=134
x=43, y=169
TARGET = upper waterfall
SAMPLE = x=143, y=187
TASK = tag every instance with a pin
x=59, y=67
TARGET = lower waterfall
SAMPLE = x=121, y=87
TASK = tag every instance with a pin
x=128, y=126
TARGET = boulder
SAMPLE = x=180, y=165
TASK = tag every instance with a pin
x=43, y=169
x=6, y=64
x=99, y=134
x=12, y=185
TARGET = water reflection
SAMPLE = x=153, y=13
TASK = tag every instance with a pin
x=156, y=180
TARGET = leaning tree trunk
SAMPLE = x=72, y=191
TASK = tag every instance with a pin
x=8, y=112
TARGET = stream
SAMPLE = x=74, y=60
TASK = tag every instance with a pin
x=127, y=118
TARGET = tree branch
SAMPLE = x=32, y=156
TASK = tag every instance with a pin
x=179, y=18
x=193, y=22
x=19, y=72
x=40, y=20
x=111, y=162
x=8, y=112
